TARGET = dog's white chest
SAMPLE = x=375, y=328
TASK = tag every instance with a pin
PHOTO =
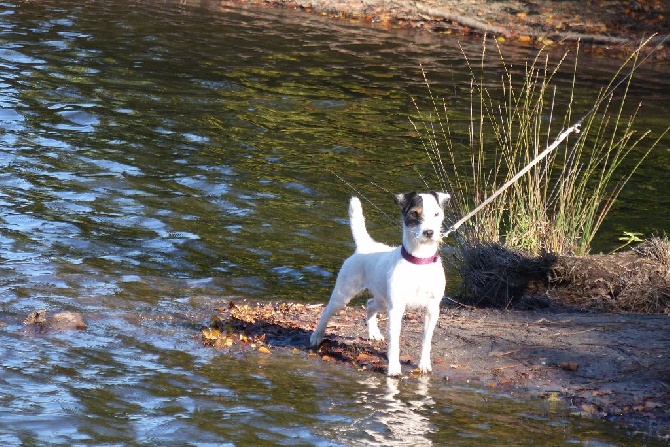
x=418, y=285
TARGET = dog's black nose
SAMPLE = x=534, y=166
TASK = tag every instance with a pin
x=428, y=233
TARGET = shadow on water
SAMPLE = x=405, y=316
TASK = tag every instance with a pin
x=156, y=167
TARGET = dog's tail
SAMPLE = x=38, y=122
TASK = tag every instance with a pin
x=363, y=240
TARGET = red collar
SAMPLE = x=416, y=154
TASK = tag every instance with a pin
x=418, y=261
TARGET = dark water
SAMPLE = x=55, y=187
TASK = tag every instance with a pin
x=158, y=160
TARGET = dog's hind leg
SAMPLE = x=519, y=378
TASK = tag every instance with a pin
x=317, y=336
x=373, y=307
x=346, y=287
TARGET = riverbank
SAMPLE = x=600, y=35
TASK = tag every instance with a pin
x=608, y=366
x=608, y=28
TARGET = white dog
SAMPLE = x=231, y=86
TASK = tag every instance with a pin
x=397, y=277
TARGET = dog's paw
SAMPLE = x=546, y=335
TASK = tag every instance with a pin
x=394, y=370
x=375, y=335
x=315, y=339
x=425, y=368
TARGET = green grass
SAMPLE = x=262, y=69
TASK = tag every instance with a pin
x=559, y=204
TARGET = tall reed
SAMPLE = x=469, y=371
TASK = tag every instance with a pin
x=561, y=202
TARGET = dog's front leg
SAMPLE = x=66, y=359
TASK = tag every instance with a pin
x=396, y=312
x=431, y=317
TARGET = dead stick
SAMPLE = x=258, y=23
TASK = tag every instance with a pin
x=561, y=137
x=465, y=21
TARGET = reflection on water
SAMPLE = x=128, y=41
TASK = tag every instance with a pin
x=398, y=422
x=154, y=167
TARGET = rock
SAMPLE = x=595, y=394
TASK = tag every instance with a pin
x=60, y=321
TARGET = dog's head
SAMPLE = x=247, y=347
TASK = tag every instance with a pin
x=422, y=216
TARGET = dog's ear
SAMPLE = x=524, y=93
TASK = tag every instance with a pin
x=404, y=198
x=441, y=197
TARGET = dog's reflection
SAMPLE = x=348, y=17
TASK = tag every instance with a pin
x=398, y=411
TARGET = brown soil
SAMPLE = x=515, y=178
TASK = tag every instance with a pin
x=611, y=366
x=608, y=27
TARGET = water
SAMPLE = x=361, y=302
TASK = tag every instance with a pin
x=158, y=160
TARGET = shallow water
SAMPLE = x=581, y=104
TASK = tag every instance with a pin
x=175, y=158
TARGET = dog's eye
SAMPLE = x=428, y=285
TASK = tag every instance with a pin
x=414, y=215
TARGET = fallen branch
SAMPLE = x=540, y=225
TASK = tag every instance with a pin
x=463, y=20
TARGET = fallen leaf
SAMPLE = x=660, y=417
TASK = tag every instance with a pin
x=365, y=358
x=263, y=350
x=224, y=342
x=553, y=397
x=649, y=405
x=569, y=366
x=211, y=333
x=590, y=409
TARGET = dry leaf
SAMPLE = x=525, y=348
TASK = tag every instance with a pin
x=649, y=405
x=569, y=366
x=553, y=397
x=263, y=350
x=224, y=342
x=590, y=409
x=211, y=333
x=365, y=358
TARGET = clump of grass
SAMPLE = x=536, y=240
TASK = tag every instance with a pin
x=553, y=187
x=561, y=202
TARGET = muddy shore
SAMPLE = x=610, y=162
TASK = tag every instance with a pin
x=604, y=27
x=608, y=366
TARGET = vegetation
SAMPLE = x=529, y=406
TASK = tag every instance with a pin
x=559, y=204
x=554, y=176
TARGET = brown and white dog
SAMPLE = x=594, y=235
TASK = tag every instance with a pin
x=409, y=276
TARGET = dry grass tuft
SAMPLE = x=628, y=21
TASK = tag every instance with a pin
x=496, y=276
x=635, y=281
x=558, y=198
